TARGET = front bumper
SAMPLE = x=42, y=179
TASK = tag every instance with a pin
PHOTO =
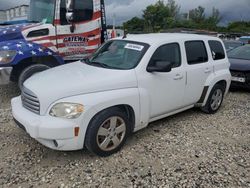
x=240, y=84
x=5, y=73
x=55, y=133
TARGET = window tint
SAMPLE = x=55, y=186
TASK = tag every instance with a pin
x=196, y=52
x=83, y=11
x=169, y=52
x=216, y=49
x=63, y=13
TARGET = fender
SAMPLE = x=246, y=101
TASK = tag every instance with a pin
x=25, y=50
x=218, y=76
x=96, y=102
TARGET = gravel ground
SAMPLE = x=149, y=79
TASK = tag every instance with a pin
x=190, y=149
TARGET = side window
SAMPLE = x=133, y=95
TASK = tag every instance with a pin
x=83, y=11
x=169, y=52
x=196, y=52
x=216, y=50
x=63, y=19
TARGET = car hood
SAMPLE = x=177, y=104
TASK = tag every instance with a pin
x=76, y=79
x=239, y=64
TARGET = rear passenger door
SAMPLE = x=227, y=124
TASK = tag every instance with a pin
x=218, y=55
x=199, y=68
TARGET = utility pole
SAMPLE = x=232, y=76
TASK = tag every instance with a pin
x=113, y=35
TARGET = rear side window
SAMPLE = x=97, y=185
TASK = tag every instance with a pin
x=216, y=50
x=170, y=53
x=196, y=52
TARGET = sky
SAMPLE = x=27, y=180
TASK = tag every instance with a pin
x=123, y=10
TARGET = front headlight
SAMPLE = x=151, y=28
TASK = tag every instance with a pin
x=67, y=110
x=7, y=56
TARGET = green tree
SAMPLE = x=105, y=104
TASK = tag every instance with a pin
x=156, y=15
x=174, y=9
x=214, y=19
x=197, y=15
x=239, y=27
x=134, y=25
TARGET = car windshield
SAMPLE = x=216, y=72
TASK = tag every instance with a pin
x=118, y=54
x=242, y=52
x=41, y=11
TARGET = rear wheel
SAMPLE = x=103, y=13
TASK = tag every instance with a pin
x=29, y=71
x=215, y=99
x=107, y=132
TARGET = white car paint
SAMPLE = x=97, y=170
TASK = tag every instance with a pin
x=151, y=95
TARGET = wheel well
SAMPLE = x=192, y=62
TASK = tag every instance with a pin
x=129, y=111
x=45, y=60
x=130, y=114
x=222, y=83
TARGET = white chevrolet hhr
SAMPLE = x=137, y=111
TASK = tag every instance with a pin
x=128, y=83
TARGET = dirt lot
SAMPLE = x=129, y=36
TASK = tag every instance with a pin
x=190, y=149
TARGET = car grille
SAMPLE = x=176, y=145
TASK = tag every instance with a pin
x=30, y=101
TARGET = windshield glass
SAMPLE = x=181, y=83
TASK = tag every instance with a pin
x=232, y=45
x=119, y=54
x=242, y=52
x=42, y=11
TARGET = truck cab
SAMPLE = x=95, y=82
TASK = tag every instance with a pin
x=57, y=32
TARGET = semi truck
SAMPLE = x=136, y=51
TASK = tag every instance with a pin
x=57, y=32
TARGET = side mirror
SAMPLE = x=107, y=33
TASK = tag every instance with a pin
x=69, y=17
x=160, y=66
x=69, y=10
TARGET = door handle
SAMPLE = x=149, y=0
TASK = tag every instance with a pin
x=207, y=70
x=178, y=77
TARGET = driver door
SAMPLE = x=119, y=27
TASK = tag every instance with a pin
x=165, y=90
x=82, y=37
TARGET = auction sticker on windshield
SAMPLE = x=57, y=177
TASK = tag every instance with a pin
x=134, y=47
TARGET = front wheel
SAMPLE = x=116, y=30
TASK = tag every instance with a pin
x=29, y=71
x=215, y=99
x=107, y=132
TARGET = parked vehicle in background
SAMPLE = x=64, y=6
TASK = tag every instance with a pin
x=58, y=32
x=240, y=66
x=245, y=39
x=231, y=44
x=128, y=83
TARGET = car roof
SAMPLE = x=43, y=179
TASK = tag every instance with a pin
x=155, y=38
x=246, y=37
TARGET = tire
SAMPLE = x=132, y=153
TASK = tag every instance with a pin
x=101, y=129
x=29, y=71
x=215, y=99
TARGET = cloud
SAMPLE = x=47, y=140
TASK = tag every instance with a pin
x=124, y=10
x=231, y=10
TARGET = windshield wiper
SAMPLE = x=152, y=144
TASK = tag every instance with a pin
x=95, y=63
x=85, y=60
x=100, y=64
